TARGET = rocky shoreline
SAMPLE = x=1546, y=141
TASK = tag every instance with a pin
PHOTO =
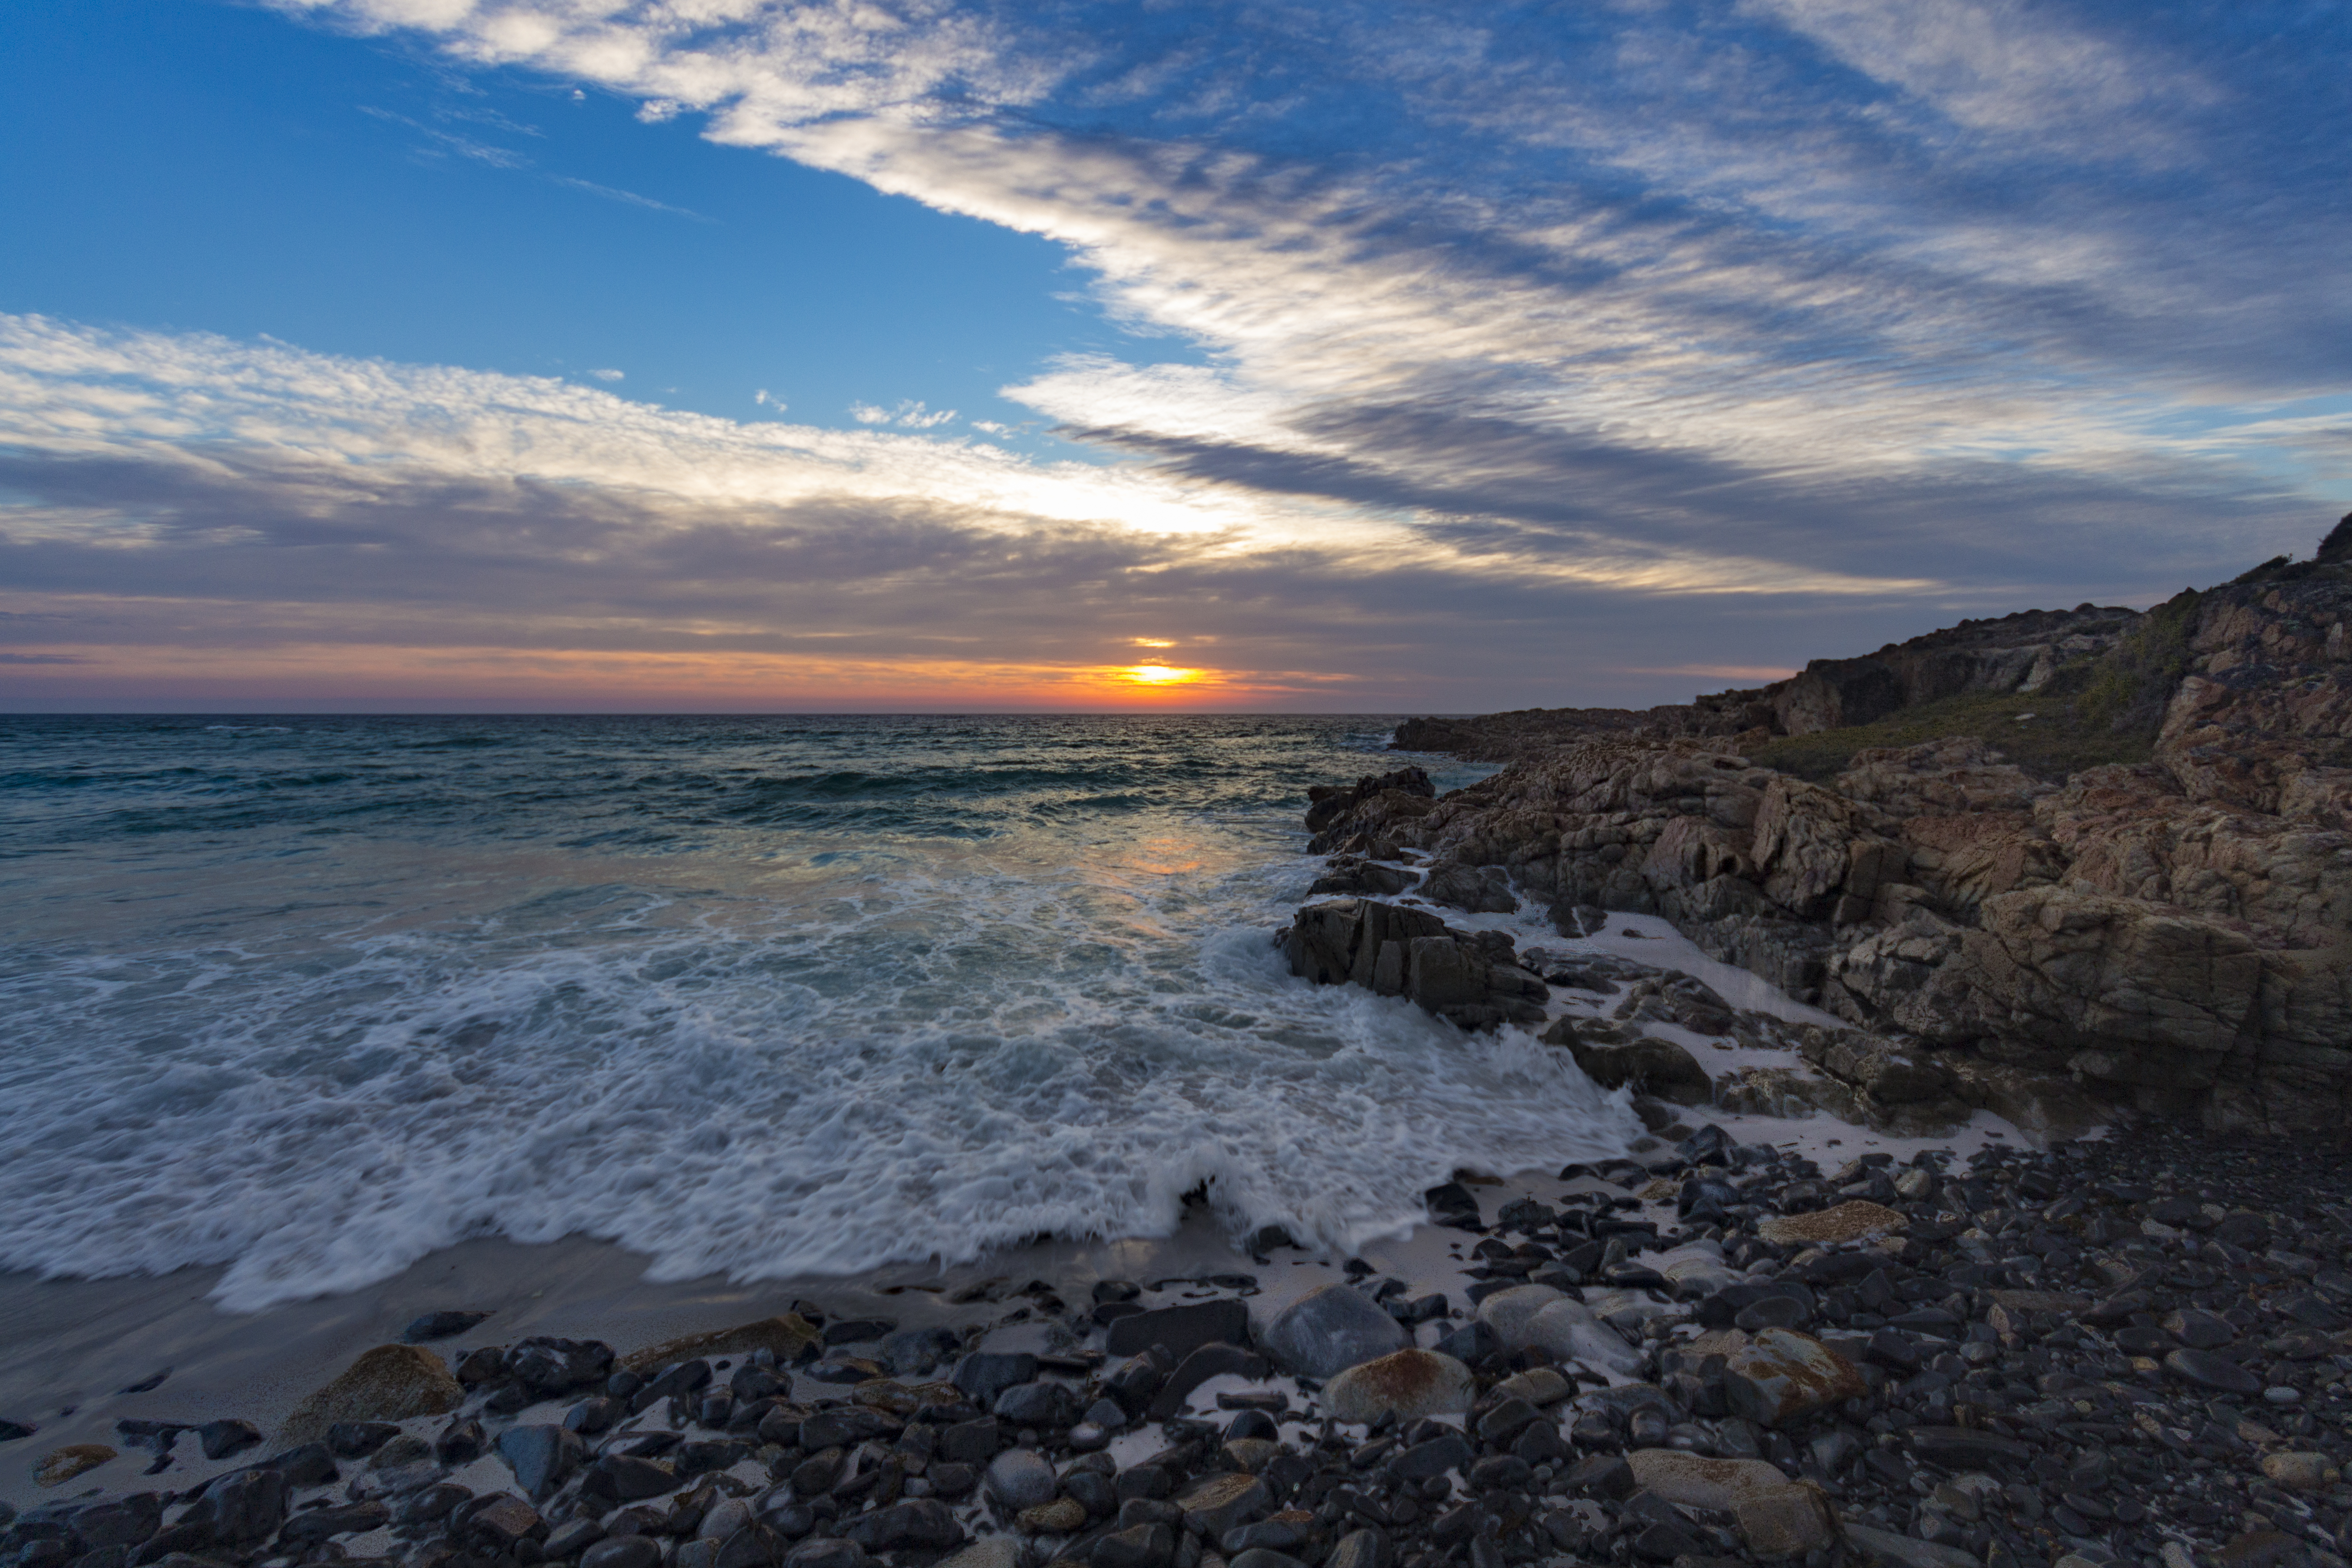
x=2048, y=934
x=2128, y=1350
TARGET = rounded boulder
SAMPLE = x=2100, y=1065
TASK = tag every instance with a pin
x=1329, y=1329
x=1408, y=1385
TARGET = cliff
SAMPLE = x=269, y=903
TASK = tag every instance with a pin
x=2112, y=849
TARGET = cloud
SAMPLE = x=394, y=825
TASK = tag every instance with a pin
x=906, y=415
x=606, y=374
x=1809, y=232
x=1822, y=320
x=197, y=509
x=442, y=141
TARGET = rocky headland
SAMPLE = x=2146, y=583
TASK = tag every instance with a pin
x=2057, y=865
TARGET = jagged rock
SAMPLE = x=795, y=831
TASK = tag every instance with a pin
x=1400, y=951
x=1474, y=888
x=1350, y=875
x=1651, y=1065
x=2169, y=933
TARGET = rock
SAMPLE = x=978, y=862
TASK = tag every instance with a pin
x=1571, y=1331
x=1510, y=1312
x=1848, y=1222
x=1041, y=1405
x=1020, y=1478
x=242, y=1506
x=914, y=1353
x=1181, y=1329
x=1539, y=1386
x=1360, y=1548
x=2263, y=1549
x=1329, y=1329
x=1965, y=1448
x=1347, y=874
x=785, y=1337
x=548, y=1365
x=622, y=1551
x=1216, y=1504
x=994, y=1552
x=624, y=1478
x=440, y=1325
x=222, y=1438
x=1777, y=1516
x=2203, y=1369
x=971, y=1442
x=1431, y=1458
x=1649, y=1066
x=822, y=1552
x=1895, y=1551
x=1061, y=1516
x=2298, y=1472
x=1781, y=1376
x=358, y=1440
x=126, y=1521
x=314, y=1525
x=918, y=1523
x=2199, y=1331
x=1408, y=1385
x=62, y=1465
x=985, y=1375
x=390, y=1382
x=1137, y=1546
x=1210, y=1361
x=1401, y=952
x=542, y=1458
x=1477, y=889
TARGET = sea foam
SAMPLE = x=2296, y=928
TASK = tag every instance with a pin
x=763, y=1051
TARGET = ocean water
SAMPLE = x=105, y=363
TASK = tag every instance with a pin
x=310, y=998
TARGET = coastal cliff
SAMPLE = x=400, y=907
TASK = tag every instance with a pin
x=2094, y=848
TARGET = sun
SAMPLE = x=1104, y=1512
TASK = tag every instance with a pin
x=1159, y=675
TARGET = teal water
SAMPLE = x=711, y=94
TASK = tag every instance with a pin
x=309, y=998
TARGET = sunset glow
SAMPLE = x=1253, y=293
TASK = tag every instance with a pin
x=1160, y=674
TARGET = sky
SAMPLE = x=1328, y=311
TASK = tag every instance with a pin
x=638, y=355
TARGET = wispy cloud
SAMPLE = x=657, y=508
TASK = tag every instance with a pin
x=906, y=415
x=1808, y=235
x=447, y=141
x=1877, y=310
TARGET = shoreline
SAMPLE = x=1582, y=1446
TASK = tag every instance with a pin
x=75, y=1342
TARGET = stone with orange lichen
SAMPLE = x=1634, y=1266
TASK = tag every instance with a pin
x=1847, y=1222
x=1782, y=1375
x=1411, y=1383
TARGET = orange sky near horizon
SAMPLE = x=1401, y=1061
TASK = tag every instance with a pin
x=331, y=677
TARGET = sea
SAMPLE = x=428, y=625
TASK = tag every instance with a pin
x=304, y=999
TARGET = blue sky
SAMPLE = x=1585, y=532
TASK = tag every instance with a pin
x=727, y=353
x=359, y=196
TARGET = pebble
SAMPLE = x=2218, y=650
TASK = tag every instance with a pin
x=2019, y=1373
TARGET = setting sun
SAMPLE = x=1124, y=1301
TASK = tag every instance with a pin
x=1159, y=674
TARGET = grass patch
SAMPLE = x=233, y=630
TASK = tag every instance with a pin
x=2062, y=738
x=2096, y=710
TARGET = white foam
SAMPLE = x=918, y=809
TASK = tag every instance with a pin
x=816, y=1069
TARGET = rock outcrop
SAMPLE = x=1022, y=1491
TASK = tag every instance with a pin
x=1469, y=979
x=2174, y=934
